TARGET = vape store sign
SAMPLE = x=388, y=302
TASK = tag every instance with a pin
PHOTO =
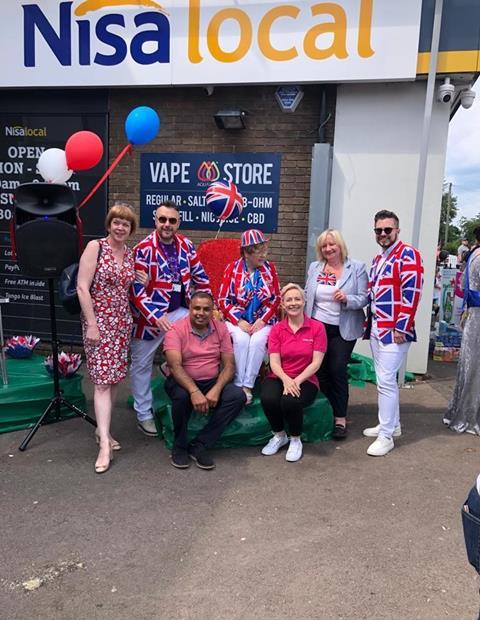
x=185, y=177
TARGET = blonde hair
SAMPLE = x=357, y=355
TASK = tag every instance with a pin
x=289, y=287
x=123, y=211
x=337, y=237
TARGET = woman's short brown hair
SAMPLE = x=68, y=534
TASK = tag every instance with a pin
x=123, y=211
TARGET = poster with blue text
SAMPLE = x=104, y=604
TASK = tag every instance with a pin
x=185, y=177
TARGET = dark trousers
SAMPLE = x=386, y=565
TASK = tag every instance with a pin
x=471, y=527
x=231, y=401
x=281, y=409
x=333, y=373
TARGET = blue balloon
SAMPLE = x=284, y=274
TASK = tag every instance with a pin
x=142, y=125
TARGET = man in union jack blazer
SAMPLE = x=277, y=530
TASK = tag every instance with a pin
x=173, y=272
x=395, y=286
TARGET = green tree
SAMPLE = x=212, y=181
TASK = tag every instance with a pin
x=448, y=231
x=467, y=225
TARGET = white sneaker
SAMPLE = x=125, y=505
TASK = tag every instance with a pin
x=274, y=445
x=148, y=427
x=381, y=446
x=374, y=430
x=294, y=452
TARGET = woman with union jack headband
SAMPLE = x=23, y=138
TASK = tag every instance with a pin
x=336, y=293
x=249, y=298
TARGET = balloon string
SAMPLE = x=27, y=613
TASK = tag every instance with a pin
x=128, y=149
x=219, y=227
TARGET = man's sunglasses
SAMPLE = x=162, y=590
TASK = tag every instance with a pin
x=379, y=231
x=171, y=220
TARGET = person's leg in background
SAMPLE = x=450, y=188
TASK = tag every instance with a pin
x=292, y=409
x=113, y=442
x=231, y=402
x=241, y=341
x=102, y=401
x=388, y=359
x=333, y=377
x=257, y=348
x=142, y=354
x=181, y=411
x=141, y=367
x=270, y=396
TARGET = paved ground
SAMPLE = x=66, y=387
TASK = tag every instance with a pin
x=337, y=535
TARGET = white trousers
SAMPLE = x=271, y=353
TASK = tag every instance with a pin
x=387, y=358
x=249, y=352
x=142, y=354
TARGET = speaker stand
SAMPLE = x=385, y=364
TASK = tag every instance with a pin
x=58, y=400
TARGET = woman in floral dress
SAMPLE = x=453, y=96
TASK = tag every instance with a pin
x=105, y=274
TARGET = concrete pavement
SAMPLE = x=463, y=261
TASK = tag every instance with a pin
x=336, y=535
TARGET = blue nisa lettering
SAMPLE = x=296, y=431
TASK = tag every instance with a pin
x=59, y=44
x=60, y=40
x=113, y=40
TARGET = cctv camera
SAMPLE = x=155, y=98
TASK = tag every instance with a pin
x=467, y=97
x=446, y=92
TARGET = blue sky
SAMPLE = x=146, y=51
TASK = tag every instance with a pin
x=463, y=158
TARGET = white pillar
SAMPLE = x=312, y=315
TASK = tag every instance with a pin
x=378, y=130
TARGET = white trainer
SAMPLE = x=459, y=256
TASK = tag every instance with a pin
x=295, y=449
x=374, y=430
x=274, y=445
x=381, y=446
x=148, y=427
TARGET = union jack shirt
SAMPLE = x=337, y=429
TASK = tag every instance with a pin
x=151, y=302
x=394, y=290
x=233, y=297
x=326, y=278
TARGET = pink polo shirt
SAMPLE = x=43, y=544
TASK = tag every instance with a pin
x=201, y=357
x=296, y=350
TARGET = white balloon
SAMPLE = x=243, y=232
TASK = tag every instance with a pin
x=52, y=166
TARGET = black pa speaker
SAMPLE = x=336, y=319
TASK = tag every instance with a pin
x=46, y=229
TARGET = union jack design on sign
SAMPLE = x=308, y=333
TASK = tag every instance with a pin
x=224, y=199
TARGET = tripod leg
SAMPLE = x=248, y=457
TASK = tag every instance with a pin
x=77, y=411
x=55, y=402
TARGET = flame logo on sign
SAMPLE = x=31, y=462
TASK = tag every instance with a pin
x=208, y=171
x=94, y=5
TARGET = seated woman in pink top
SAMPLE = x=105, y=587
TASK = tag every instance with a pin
x=296, y=346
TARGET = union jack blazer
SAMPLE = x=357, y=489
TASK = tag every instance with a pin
x=395, y=286
x=233, y=298
x=151, y=302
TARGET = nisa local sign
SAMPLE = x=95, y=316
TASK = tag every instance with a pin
x=188, y=42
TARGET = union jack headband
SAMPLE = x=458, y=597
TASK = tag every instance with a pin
x=252, y=237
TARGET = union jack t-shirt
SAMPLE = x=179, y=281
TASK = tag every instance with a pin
x=326, y=278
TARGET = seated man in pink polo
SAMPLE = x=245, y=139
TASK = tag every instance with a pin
x=199, y=354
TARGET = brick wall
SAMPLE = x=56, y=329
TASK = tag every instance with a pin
x=187, y=125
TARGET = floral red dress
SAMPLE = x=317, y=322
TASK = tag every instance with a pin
x=107, y=361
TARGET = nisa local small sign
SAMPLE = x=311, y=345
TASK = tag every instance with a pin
x=145, y=42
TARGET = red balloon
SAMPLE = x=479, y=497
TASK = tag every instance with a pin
x=84, y=150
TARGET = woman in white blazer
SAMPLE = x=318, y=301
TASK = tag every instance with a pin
x=336, y=293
